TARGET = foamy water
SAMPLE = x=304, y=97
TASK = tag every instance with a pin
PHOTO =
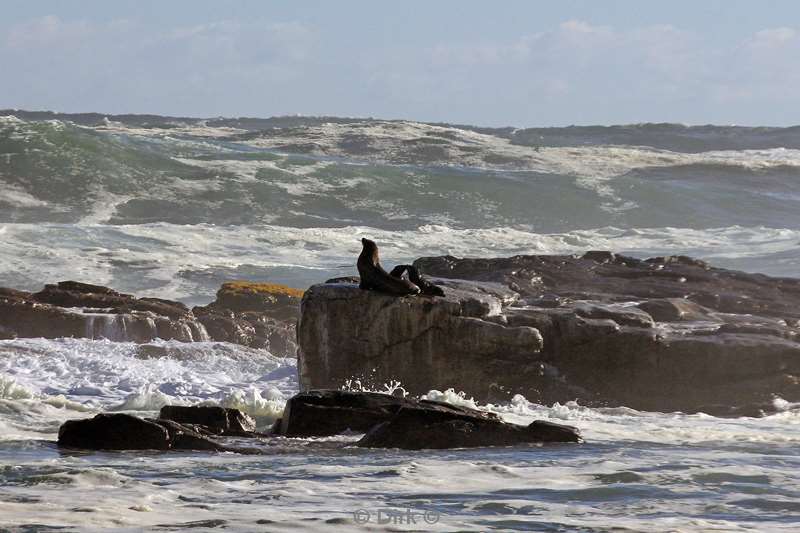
x=637, y=470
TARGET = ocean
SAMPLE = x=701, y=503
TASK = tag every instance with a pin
x=172, y=208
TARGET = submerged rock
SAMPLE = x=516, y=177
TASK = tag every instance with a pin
x=665, y=334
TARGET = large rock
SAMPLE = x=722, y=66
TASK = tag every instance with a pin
x=666, y=334
x=72, y=309
x=259, y=315
x=319, y=413
x=395, y=422
x=113, y=432
x=346, y=333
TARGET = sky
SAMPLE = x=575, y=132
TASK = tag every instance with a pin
x=510, y=63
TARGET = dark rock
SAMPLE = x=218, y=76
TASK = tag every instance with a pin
x=435, y=425
x=160, y=307
x=218, y=420
x=73, y=309
x=627, y=279
x=666, y=334
x=393, y=422
x=113, y=432
x=120, y=431
x=318, y=413
x=75, y=294
x=184, y=437
x=600, y=256
x=678, y=259
x=427, y=343
x=674, y=310
x=7, y=333
x=258, y=315
x=13, y=294
x=350, y=280
x=630, y=316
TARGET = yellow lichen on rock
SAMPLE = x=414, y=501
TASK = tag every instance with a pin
x=249, y=287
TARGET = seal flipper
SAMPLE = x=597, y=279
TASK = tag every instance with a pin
x=424, y=285
x=399, y=270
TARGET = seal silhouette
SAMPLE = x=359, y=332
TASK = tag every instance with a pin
x=374, y=277
x=426, y=287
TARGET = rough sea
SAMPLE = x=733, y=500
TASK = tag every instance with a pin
x=174, y=207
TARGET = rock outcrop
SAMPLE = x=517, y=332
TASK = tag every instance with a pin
x=395, y=422
x=320, y=413
x=259, y=315
x=346, y=333
x=665, y=334
x=177, y=428
x=254, y=315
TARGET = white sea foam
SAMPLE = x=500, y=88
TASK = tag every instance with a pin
x=92, y=375
x=389, y=139
x=155, y=259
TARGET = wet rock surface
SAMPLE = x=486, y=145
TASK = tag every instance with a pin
x=184, y=428
x=258, y=319
x=397, y=422
x=662, y=334
x=320, y=413
x=217, y=420
x=433, y=425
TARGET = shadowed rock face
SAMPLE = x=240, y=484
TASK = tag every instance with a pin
x=664, y=334
x=348, y=333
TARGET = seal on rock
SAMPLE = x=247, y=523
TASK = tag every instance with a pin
x=426, y=287
x=374, y=277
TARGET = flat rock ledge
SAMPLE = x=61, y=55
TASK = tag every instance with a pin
x=662, y=334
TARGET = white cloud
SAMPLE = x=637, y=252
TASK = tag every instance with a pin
x=576, y=72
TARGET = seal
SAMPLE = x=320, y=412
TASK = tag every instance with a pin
x=414, y=276
x=374, y=277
